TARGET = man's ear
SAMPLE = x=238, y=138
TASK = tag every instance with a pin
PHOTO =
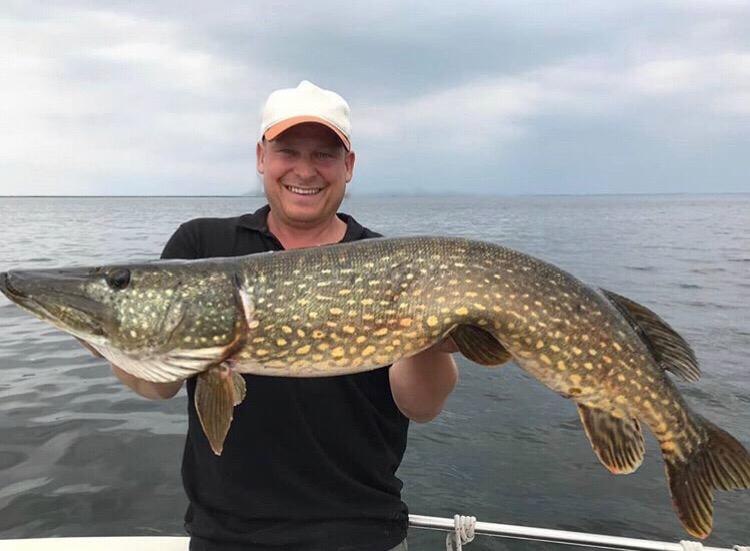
x=349, y=161
x=260, y=157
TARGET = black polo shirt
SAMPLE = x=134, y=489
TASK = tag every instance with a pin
x=309, y=463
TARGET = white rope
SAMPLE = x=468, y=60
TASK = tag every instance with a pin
x=741, y=548
x=463, y=533
x=691, y=545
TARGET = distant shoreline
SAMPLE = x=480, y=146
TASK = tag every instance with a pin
x=386, y=195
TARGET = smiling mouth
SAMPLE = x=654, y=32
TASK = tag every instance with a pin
x=303, y=190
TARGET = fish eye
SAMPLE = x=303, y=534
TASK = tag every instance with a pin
x=118, y=279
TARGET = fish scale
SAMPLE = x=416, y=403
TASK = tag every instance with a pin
x=354, y=307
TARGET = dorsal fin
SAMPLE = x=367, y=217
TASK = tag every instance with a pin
x=669, y=348
x=480, y=346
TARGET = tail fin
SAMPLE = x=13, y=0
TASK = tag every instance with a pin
x=720, y=462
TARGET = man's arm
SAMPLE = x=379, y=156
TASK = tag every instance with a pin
x=421, y=384
x=147, y=389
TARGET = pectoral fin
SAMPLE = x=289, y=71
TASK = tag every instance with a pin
x=480, y=346
x=238, y=384
x=217, y=391
x=617, y=442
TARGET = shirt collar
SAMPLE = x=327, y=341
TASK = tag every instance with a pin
x=258, y=221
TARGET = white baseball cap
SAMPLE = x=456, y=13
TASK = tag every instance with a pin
x=306, y=103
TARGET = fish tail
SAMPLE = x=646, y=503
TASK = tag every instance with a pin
x=719, y=462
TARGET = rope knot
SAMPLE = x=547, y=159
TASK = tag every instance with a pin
x=463, y=533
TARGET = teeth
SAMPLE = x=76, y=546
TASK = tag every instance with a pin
x=303, y=191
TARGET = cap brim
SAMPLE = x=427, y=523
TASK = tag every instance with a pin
x=275, y=129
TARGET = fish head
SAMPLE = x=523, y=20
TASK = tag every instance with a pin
x=141, y=310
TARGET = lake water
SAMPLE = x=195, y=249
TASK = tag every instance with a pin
x=82, y=455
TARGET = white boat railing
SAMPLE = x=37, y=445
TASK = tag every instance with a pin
x=461, y=531
x=583, y=539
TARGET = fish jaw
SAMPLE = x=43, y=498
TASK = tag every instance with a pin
x=59, y=298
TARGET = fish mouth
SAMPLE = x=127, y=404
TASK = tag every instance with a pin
x=6, y=288
x=56, y=298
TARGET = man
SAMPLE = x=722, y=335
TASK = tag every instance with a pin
x=309, y=463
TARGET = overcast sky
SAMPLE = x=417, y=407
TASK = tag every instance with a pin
x=164, y=97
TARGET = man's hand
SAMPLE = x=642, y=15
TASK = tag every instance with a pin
x=147, y=389
x=420, y=384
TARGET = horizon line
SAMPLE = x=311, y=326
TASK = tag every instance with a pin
x=381, y=194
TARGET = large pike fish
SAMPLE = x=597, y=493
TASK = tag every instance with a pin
x=354, y=307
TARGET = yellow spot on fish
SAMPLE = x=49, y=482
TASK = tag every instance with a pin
x=381, y=332
x=405, y=322
x=361, y=339
x=577, y=351
x=280, y=342
x=561, y=365
x=303, y=349
x=343, y=292
x=575, y=379
x=540, y=344
x=323, y=346
x=336, y=311
x=545, y=359
x=621, y=378
x=592, y=351
x=286, y=329
x=338, y=352
x=668, y=446
x=617, y=346
x=348, y=329
x=462, y=311
x=318, y=334
x=432, y=321
x=369, y=350
x=620, y=399
x=261, y=352
x=588, y=365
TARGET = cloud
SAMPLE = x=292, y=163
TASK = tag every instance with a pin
x=100, y=97
x=534, y=96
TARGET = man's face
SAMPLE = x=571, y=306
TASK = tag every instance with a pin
x=305, y=170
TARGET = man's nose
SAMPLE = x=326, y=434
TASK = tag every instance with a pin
x=305, y=168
